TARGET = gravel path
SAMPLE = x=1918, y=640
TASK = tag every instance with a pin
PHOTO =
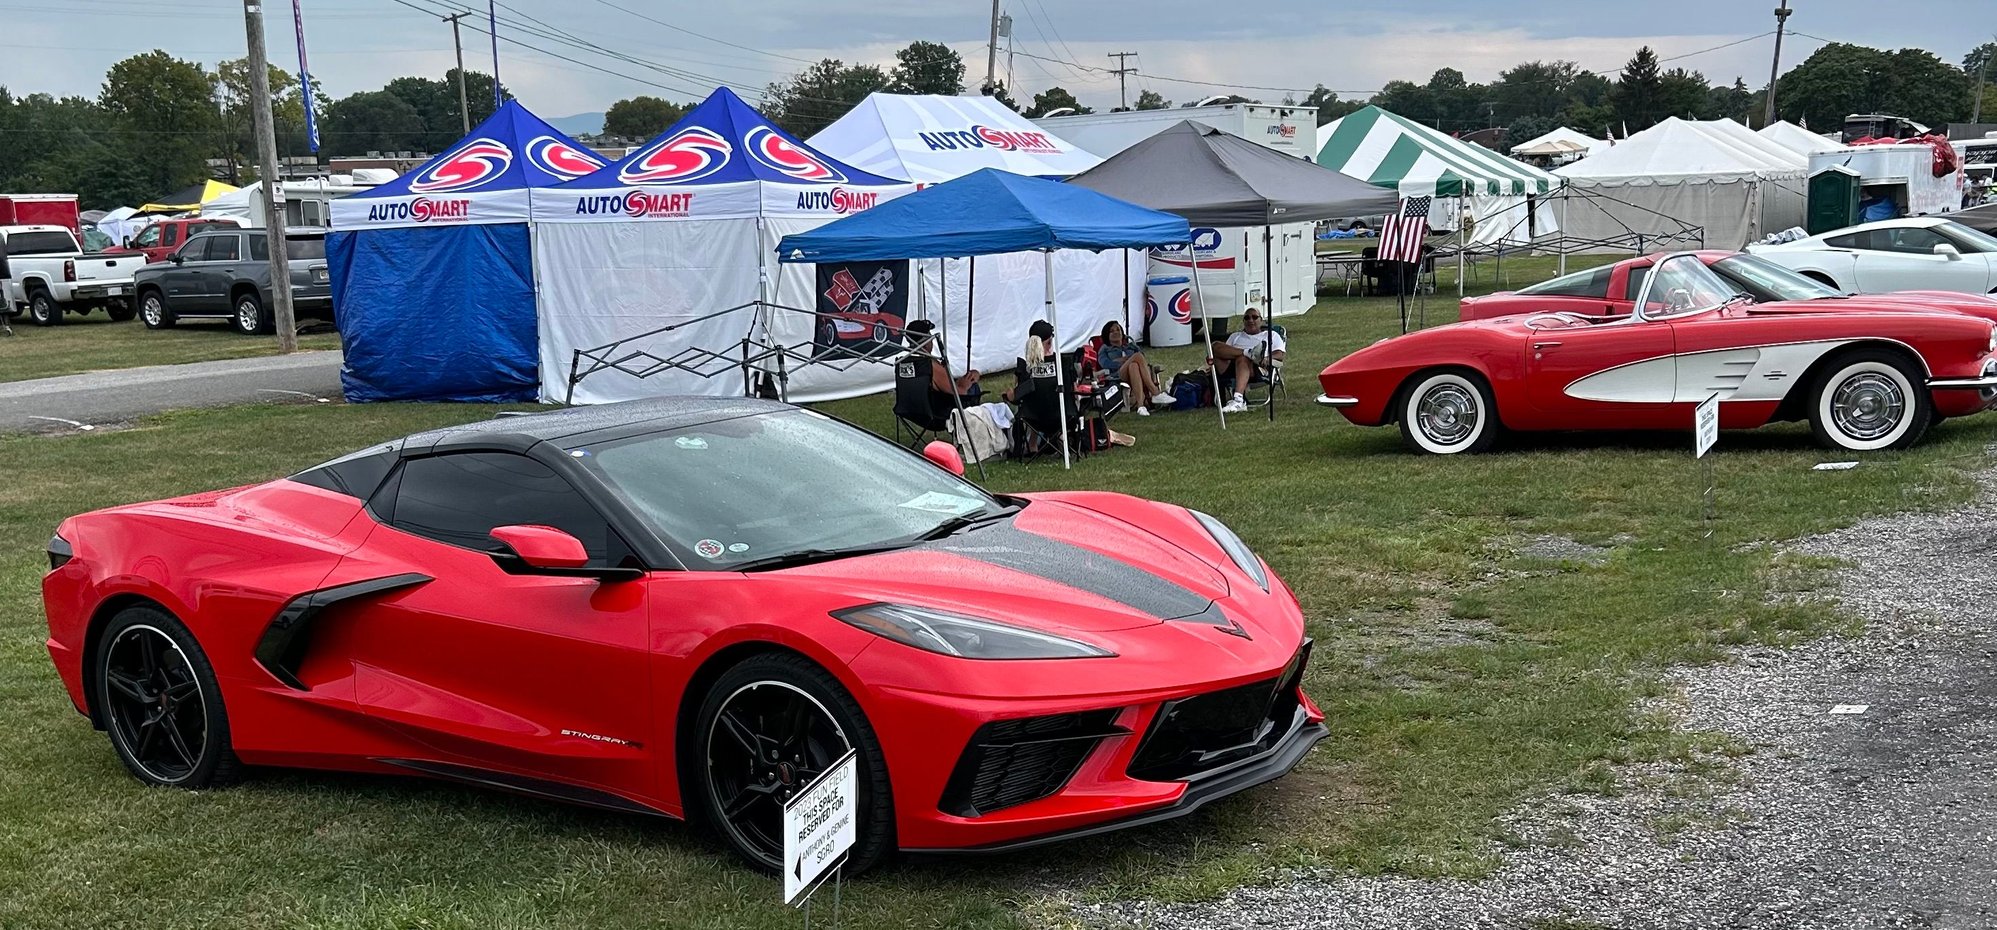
x=1884, y=818
x=96, y=397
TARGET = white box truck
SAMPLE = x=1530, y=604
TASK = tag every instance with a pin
x=1234, y=262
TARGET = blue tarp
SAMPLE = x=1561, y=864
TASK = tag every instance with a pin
x=460, y=326
x=432, y=273
x=986, y=212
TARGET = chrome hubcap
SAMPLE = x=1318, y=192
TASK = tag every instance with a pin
x=1447, y=414
x=1867, y=406
x=151, y=310
x=246, y=315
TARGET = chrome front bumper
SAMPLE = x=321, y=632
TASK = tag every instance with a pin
x=1326, y=400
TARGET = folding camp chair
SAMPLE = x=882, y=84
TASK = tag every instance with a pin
x=915, y=413
x=1274, y=377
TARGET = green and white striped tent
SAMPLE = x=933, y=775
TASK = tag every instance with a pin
x=1400, y=154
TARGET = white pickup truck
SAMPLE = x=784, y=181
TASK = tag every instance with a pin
x=44, y=271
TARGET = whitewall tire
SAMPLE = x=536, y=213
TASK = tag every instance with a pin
x=1447, y=412
x=1870, y=400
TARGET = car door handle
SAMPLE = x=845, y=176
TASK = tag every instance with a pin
x=1543, y=345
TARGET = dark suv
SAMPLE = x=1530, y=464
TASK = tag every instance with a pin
x=225, y=274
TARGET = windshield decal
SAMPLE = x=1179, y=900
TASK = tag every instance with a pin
x=710, y=549
x=939, y=502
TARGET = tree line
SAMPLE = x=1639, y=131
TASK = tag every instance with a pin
x=158, y=121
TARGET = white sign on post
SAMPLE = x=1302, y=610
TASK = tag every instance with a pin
x=820, y=824
x=1706, y=426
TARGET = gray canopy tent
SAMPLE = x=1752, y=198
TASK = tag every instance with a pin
x=1213, y=178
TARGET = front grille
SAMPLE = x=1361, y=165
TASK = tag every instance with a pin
x=1203, y=732
x=1012, y=762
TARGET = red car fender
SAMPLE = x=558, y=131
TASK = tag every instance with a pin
x=1374, y=375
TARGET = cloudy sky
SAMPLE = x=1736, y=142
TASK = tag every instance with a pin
x=683, y=49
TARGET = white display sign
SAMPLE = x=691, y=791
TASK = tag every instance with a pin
x=1706, y=426
x=820, y=824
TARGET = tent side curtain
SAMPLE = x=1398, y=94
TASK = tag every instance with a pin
x=441, y=314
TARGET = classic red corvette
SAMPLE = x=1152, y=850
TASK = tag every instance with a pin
x=691, y=607
x=1610, y=290
x=1866, y=375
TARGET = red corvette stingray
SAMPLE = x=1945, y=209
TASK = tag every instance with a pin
x=1867, y=375
x=691, y=607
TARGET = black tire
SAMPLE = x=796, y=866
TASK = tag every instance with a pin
x=121, y=311
x=43, y=309
x=248, y=316
x=1867, y=400
x=706, y=771
x=153, y=710
x=153, y=311
x=1448, y=412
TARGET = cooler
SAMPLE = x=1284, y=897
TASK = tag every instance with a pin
x=1168, y=311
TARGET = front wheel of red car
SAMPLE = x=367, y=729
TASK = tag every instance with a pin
x=158, y=699
x=1448, y=412
x=1869, y=400
x=766, y=729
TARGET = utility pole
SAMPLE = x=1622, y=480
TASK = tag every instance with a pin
x=273, y=182
x=464, y=109
x=1775, y=65
x=991, y=53
x=1982, y=71
x=1121, y=70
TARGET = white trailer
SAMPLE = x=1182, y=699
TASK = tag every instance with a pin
x=1232, y=262
x=1905, y=172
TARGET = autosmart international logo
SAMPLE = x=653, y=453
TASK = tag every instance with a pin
x=686, y=155
x=561, y=159
x=637, y=204
x=1282, y=131
x=986, y=137
x=838, y=200
x=473, y=164
x=789, y=158
x=422, y=210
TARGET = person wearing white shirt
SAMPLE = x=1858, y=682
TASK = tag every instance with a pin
x=1246, y=350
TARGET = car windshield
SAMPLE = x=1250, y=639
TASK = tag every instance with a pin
x=1593, y=282
x=1683, y=284
x=1766, y=281
x=795, y=483
x=1973, y=238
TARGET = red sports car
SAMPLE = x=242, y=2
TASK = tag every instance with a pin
x=1867, y=375
x=1610, y=290
x=691, y=607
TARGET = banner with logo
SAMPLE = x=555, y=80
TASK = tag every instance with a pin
x=485, y=178
x=930, y=139
x=862, y=307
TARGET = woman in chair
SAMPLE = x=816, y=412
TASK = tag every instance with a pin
x=1120, y=357
x=943, y=390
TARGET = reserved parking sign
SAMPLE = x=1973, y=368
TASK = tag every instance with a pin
x=820, y=825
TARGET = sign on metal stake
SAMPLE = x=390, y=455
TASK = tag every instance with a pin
x=1706, y=434
x=820, y=824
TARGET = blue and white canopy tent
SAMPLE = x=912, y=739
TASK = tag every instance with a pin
x=432, y=273
x=993, y=212
x=650, y=254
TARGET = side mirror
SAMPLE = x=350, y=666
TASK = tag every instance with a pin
x=1948, y=251
x=175, y=258
x=945, y=456
x=545, y=550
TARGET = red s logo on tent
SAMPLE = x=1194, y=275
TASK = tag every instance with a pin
x=473, y=164
x=561, y=159
x=685, y=155
x=789, y=158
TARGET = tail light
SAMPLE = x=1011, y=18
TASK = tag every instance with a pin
x=68, y=272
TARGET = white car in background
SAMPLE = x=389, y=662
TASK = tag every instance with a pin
x=1920, y=253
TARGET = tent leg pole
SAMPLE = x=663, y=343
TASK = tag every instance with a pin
x=575, y=369
x=1563, y=232
x=1060, y=376
x=1269, y=311
x=970, y=310
x=1206, y=327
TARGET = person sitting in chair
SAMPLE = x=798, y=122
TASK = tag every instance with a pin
x=1119, y=356
x=1251, y=350
x=943, y=390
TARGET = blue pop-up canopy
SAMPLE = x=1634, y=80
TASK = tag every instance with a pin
x=432, y=273
x=987, y=212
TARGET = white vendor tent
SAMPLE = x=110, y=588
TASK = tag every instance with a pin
x=1587, y=145
x=1718, y=175
x=676, y=234
x=930, y=139
x=1400, y=154
x=1796, y=137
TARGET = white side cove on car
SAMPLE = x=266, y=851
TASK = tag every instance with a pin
x=1755, y=373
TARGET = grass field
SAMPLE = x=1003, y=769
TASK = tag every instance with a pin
x=93, y=343
x=1459, y=675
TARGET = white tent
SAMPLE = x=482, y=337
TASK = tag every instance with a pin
x=1718, y=175
x=1796, y=137
x=1391, y=151
x=306, y=203
x=1588, y=144
x=930, y=139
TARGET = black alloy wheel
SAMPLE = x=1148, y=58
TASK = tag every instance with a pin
x=158, y=698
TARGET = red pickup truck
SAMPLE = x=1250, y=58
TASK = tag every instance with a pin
x=165, y=237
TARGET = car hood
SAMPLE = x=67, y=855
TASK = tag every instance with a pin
x=1903, y=302
x=1055, y=566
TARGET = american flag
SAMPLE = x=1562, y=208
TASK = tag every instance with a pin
x=1401, y=233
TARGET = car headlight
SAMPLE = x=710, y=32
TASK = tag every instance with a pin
x=1244, y=558
x=946, y=633
x=1993, y=339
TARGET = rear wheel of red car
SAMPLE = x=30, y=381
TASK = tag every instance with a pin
x=1868, y=400
x=1447, y=412
x=158, y=699
x=766, y=729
